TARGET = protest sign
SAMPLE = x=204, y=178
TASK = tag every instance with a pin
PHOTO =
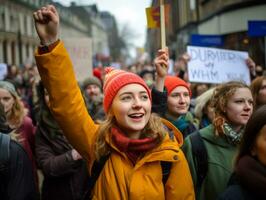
x=80, y=51
x=211, y=65
x=157, y=17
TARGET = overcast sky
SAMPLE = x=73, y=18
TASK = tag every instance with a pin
x=131, y=12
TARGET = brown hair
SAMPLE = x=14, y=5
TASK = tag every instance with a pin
x=154, y=128
x=255, y=88
x=219, y=101
x=252, y=130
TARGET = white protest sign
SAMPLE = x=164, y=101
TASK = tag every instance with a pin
x=3, y=70
x=80, y=51
x=212, y=65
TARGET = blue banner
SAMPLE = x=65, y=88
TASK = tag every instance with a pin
x=257, y=28
x=206, y=40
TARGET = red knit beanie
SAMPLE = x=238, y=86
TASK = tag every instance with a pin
x=171, y=82
x=114, y=80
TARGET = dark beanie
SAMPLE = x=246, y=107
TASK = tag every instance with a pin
x=91, y=80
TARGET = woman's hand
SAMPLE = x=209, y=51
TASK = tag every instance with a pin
x=251, y=65
x=161, y=64
x=47, y=24
x=75, y=155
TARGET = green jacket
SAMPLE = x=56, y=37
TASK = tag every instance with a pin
x=221, y=156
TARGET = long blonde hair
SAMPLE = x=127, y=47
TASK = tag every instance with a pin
x=17, y=113
x=153, y=129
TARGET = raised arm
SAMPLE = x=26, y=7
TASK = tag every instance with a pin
x=57, y=74
x=161, y=64
x=159, y=96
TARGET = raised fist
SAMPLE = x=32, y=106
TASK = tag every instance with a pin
x=47, y=24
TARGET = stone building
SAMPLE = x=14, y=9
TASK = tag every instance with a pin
x=18, y=38
x=91, y=16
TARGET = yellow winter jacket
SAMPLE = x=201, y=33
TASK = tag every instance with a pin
x=119, y=180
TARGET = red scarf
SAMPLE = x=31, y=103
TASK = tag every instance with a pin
x=133, y=148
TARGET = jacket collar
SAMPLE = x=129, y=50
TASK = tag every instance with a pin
x=208, y=133
x=166, y=151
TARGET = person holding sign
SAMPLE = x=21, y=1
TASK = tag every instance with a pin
x=174, y=102
x=135, y=142
x=233, y=105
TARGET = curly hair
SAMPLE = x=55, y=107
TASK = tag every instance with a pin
x=154, y=128
x=219, y=102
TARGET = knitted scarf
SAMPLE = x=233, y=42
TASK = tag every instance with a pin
x=232, y=136
x=133, y=148
x=252, y=175
x=181, y=123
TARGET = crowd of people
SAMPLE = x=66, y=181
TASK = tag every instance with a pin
x=143, y=132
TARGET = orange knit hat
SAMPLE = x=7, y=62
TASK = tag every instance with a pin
x=171, y=82
x=114, y=80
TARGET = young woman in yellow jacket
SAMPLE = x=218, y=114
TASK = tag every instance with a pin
x=136, y=140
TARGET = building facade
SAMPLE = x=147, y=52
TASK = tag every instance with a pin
x=225, y=18
x=18, y=38
x=113, y=35
x=91, y=16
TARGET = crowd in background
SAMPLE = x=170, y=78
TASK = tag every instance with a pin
x=226, y=120
x=26, y=78
x=60, y=166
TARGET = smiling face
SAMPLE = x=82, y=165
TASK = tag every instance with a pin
x=178, y=101
x=132, y=109
x=239, y=107
x=6, y=99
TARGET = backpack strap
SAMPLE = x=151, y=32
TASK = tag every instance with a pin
x=166, y=168
x=96, y=170
x=200, y=157
x=4, y=153
x=97, y=167
x=4, y=163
